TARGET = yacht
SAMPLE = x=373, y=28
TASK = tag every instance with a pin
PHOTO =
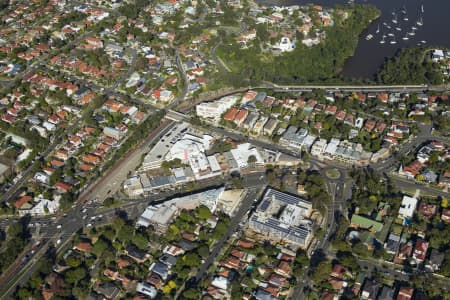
x=404, y=10
x=420, y=22
x=398, y=29
x=382, y=40
x=405, y=38
x=393, y=42
x=412, y=33
x=394, y=20
x=405, y=18
x=390, y=34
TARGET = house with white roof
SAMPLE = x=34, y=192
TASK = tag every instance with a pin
x=407, y=208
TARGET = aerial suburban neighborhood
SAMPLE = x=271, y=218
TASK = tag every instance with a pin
x=224, y=149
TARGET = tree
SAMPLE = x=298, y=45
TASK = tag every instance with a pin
x=321, y=272
x=251, y=159
x=191, y=294
x=203, y=251
x=100, y=246
x=73, y=261
x=75, y=275
x=191, y=260
x=140, y=241
x=203, y=212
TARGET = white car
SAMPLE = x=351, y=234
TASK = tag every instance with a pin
x=59, y=226
x=58, y=242
x=89, y=225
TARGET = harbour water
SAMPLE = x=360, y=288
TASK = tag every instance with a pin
x=402, y=16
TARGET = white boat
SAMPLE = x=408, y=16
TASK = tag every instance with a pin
x=390, y=34
x=369, y=37
x=421, y=8
x=378, y=29
x=398, y=29
x=412, y=33
x=394, y=20
x=414, y=28
x=404, y=10
x=393, y=42
x=405, y=38
x=423, y=42
x=382, y=40
x=420, y=22
x=406, y=19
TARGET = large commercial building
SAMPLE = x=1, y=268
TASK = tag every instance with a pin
x=343, y=151
x=283, y=217
x=296, y=139
x=213, y=110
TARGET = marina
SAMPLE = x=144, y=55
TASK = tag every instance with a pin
x=371, y=54
x=400, y=25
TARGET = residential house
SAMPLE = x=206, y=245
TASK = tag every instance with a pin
x=136, y=254
x=427, y=210
x=435, y=261
x=445, y=216
x=240, y=117
x=407, y=208
x=270, y=126
x=405, y=293
x=370, y=289
x=420, y=250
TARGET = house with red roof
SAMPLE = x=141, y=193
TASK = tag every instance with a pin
x=22, y=201
x=63, y=187
x=420, y=250
x=240, y=116
x=412, y=170
x=230, y=114
x=83, y=246
x=405, y=293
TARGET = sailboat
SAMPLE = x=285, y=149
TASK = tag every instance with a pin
x=382, y=40
x=420, y=22
x=378, y=29
x=394, y=20
x=405, y=13
x=393, y=42
x=421, y=8
x=405, y=38
x=412, y=33
x=404, y=10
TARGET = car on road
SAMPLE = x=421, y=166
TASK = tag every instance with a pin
x=59, y=226
x=58, y=242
